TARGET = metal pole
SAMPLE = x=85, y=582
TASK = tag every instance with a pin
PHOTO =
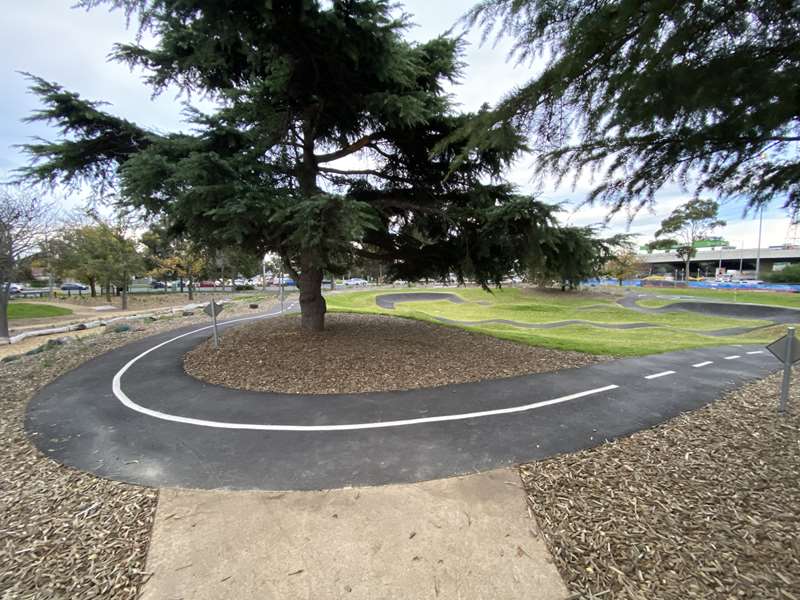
x=741, y=259
x=214, y=320
x=787, y=370
x=281, y=292
x=758, y=250
x=263, y=276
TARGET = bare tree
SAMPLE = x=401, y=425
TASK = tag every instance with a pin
x=26, y=217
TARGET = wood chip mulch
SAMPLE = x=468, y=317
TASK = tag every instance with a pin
x=704, y=506
x=66, y=534
x=365, y=353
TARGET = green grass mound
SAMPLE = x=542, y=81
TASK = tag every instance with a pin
x=23, y=310
x=670, y=331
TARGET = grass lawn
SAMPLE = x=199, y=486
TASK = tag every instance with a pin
x=674, y=332
x=22, y=310
x=784, y=299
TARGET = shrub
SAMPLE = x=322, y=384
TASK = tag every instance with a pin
x=790, y=274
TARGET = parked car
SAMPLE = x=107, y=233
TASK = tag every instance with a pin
x=15, y=288
x=73, y=287
x=205, y=283
x=355, y=282
x=157, y=285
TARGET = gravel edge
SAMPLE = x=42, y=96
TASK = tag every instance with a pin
x=706, y=505
x=65, y=533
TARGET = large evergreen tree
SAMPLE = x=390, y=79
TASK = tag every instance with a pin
x=705, y=92
x=304, y=88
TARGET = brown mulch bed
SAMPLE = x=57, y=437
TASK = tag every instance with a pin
x=365, y=353
x=704, y=506
x=64, y=533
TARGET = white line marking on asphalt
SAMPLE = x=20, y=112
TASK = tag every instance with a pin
x=703, y=364
x=125, y=400
x=657, y=375
x=732, y=356
x=756, y=352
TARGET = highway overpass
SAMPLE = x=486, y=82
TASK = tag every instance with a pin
x=730, y=259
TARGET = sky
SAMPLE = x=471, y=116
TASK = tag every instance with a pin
x=70, y=46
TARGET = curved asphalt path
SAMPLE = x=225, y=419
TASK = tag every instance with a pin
x=183, y=432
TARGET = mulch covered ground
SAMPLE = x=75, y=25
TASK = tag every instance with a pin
x=365, y=353
x=63, y=533
x=704, y=506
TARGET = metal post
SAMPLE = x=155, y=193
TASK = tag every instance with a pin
x=741, y=260
x=758, y=250
x=214, y=319
x=263, y=276
x=787, y=370
x=281, y=280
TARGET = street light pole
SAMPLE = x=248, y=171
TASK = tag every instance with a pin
x=758, y=250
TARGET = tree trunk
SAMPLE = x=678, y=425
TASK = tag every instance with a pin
x=4, y=293
x=93, y=287
x=312, y=302
x=108, y=292
x=124, y=291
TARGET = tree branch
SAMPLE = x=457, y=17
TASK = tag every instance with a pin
x=346, y=151
x=371, y=172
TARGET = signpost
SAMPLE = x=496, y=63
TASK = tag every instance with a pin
x=787, y=351
x=212, y=309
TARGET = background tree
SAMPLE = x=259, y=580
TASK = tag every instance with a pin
x=686, y=225
x=625, y=264
x=26, y=217
x=75, y=254
x=655, y=91
x=169, y=256
x=789, y=274
x=571, y=255
x=99, y=253
x=301, y=86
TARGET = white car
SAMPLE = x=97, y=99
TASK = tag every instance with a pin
x=15, y=288
x=355, y=282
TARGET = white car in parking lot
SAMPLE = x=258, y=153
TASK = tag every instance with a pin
x=355, y=282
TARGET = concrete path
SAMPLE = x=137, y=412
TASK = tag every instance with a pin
x=465, y=538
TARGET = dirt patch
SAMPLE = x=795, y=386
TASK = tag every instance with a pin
x=365, y=353
x=704, y=506
x=64, y=533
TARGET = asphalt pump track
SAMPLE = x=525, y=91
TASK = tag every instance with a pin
x=134, y=415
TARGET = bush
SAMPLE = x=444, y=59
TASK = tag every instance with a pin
x=790, y=274
x=244, y=288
